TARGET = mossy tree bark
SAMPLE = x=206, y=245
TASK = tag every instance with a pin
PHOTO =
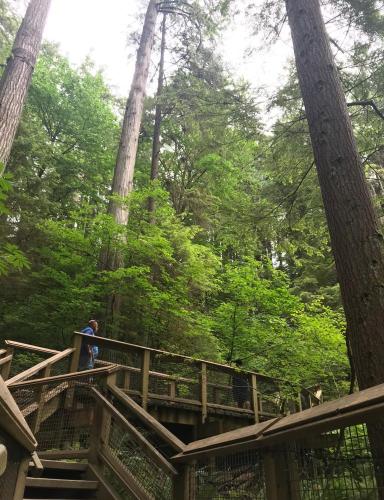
x=18, y=72
x=356, y=240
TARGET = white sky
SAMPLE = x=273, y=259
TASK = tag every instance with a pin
x=99, y=28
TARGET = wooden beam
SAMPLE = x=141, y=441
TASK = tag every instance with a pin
x=145, y=417
x=182, y=484
x=145, y=365
x=6, y=368
x=21, y=479
x=254, y=397
x=63, y=454
x=203, y=392
x=40, y=366
x=78, y=484
x=66, y=377
x=76, y=342
x=30, y=347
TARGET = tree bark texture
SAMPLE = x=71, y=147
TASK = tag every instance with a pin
x=356, y=241
x=18, y=72
x=125, y=163
x=158, y=113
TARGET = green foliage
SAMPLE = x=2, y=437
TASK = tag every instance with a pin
x=234, y=263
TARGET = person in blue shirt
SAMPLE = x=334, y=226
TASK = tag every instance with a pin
x=88, y=353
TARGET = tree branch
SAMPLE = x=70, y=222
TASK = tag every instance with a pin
x=367, y=102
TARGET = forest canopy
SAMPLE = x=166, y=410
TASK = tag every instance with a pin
x=234, y=260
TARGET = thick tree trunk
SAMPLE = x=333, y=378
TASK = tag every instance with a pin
x=357, y=244
x=158, y=114
x=125, y=164
x=18, y=72
x=122, y=185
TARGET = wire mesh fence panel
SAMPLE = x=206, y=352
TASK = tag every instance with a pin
x=228, y=388
x=23, y=360
x=238, y=476
x=272, y=398
x=148, y=432
x=114, y=482
x=61, y=367
x=143, y=470
x=338, y=467
x=131, y=358
x=183, y=381
x=61, y=412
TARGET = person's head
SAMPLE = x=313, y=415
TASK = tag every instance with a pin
x=239, y=363
x=93, y=324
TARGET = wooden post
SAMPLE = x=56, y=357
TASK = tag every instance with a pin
x=96, y=434
x=182, y=483
x=21, y=478
x=172, y=389
x=127, y=380
x=254, y=398
x=278, y=482
x=77, y=340
x=6, y=368
x=75, y=358
x=300, y=405
x=270, y=476
x=203, y=392
x=40, y=402
x=146, y=361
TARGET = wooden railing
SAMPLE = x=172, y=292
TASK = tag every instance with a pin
x=73, y=417
x=322, y=452
x=158, y=377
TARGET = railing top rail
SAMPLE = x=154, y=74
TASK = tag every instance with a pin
x=349, y=410
x=125, y=346
x=30, y=347
x=40, y=366
x=64, y=377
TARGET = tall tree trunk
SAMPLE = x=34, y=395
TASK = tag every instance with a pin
x=158, y=114
x=125, y=164
x=357, y=244
x=18, y=72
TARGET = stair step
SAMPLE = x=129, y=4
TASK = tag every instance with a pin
x=58, y=464
x=81, y=484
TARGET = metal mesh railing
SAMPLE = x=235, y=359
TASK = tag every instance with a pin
x=234, y=476
x=182, y=380
x=225, y=388
x=60, y=413
x=145, y=430
x=339, y=466
x=23, y=360
x=123, y=447
x=336, y=465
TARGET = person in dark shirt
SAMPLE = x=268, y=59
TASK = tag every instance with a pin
x=240, y=387
x=88, y=353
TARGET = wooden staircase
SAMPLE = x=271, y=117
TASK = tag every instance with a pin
x=60, y=480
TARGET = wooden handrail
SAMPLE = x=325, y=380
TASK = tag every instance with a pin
x=126, y=347
x=30, y=347
x=140, y=439
x=40, y=366
x=145, y=417
x=63, y=378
